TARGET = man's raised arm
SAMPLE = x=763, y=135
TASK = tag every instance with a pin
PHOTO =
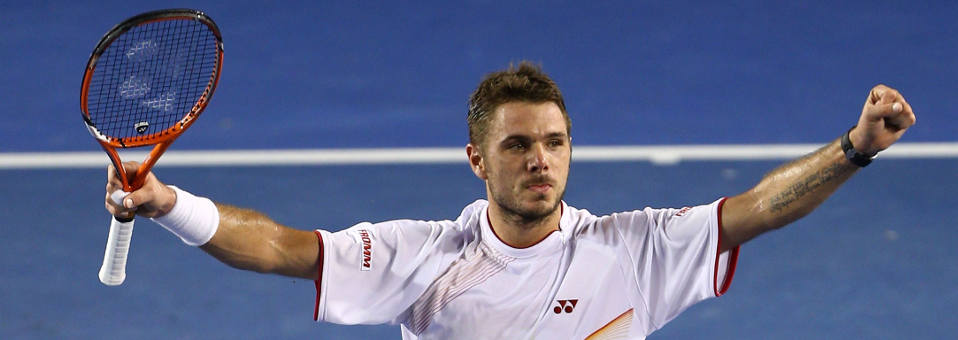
x=793, y=190
x=241, y=238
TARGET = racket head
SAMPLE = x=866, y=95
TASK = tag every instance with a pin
x=150, y=77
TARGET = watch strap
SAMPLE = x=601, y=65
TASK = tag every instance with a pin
x=854, y=156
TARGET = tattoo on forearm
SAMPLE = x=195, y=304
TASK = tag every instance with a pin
x=796, y=191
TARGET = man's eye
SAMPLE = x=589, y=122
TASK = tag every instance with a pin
x=555, y=142
x=517, y=146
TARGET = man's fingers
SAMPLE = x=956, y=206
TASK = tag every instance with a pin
x=124, y=204
x=881, y=91
x=117, y=197
x=876, y=94
x=131, y=169
x=134, y=199
x=118, y=202
x=907, y=112
x=878, y=112
x=881, y=94
x=145, y=201
x=123, y=200
x=888, y=95
x=896, y=115
x=900, y=121
x=117, y=209
x=887, y=103
x=113, y=184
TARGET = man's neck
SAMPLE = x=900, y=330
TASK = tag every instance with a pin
x=518, y=232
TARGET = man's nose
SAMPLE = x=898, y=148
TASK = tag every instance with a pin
x=539, y=158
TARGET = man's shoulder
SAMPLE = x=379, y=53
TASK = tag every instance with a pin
x=468, y=219
x=474, y=208
x=642, y=220
x=470, y=215
x=581, y=223
x=585, y=224
x=575, y=218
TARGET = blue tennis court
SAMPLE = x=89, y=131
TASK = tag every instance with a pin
x=876, y=261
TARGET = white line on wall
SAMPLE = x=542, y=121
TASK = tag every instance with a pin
x=659, y=154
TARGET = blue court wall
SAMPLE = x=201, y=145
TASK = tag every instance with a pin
x=322, y=74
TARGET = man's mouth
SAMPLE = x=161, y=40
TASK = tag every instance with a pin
x=540, y=188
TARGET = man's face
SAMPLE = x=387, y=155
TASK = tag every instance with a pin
x=525, y=158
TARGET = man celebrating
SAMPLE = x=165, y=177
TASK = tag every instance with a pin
x=523, y=263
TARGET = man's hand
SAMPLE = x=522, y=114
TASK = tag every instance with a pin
x=884, y=119
x=154, y=199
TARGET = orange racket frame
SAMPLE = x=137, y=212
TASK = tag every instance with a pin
x=162, y=139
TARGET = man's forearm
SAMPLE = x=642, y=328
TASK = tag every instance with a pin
x=786, y=194
x=795, y=189
x=249, y=240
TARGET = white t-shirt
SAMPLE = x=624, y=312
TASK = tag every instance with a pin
x=618, y=276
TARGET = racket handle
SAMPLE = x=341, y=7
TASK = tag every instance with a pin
x=113, y=271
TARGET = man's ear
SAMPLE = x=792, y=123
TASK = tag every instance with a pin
x=475, y=161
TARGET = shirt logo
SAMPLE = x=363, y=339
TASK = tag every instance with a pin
x=565, y=306
x=367, y=253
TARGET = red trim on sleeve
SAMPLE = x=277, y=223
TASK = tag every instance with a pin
x=319, y=278
x=732, y=259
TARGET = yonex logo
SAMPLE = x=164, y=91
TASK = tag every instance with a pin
x=565, y=306
x=141, y=127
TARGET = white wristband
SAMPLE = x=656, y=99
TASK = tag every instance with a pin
x=193, y=219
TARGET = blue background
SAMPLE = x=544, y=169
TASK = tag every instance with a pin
x=876, y=261
x=362, y=74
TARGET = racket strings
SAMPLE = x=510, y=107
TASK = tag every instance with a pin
x=152, y=76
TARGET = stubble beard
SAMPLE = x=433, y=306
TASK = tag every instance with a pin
x=513, y=210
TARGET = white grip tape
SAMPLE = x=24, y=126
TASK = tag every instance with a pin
x=194, y=219
x=113, y=270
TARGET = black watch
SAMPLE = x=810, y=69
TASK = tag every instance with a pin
x=854, y=156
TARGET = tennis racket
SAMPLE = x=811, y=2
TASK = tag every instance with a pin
x=147, y=81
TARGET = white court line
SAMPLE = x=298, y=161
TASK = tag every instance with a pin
x=662, y=154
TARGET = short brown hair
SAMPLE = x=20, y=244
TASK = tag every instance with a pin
x=523, y=83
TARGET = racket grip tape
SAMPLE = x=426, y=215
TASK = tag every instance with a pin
x=113, y=271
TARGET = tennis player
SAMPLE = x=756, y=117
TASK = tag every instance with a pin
x=523, y=263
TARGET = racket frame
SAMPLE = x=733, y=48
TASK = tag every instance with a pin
x=161, y=139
